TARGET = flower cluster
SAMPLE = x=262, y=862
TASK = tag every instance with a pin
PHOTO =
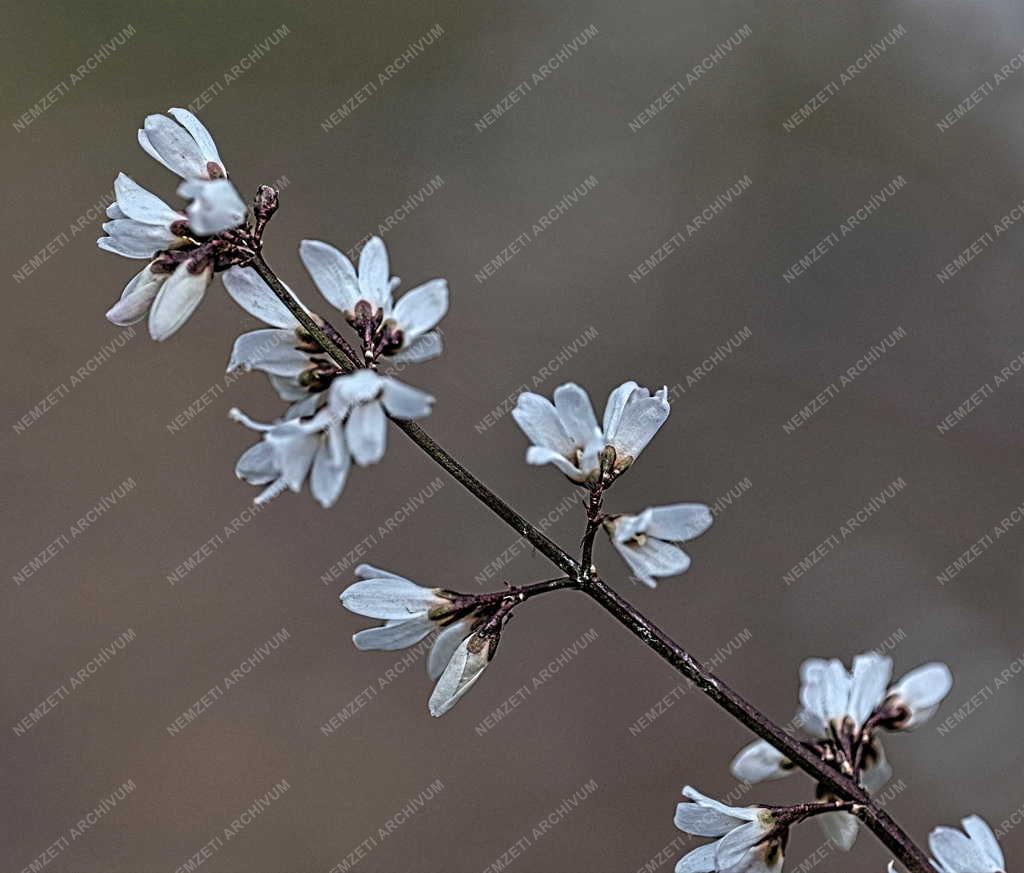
x=184, y=249
x=565, y=433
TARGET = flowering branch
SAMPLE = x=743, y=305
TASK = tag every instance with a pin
x=875, y=818
x=339, y=408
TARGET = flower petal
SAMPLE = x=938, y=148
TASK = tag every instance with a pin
x=981, y=835
x=639, y=421
x=271, y=350
x=198, y=132
x=922, y=690
x=700, y=860
x=421, y=309
x=388, y=598
x=576, y=414
x=464, y=669
x=216, y=206
x=760, y=762
x=137, y=203
x=871, y=675
x=366, y=433
x=423, y=348
x=841, y=828
x=374, y=276
x=250, y=292
x=173, y=147
x=177, y=300
x=327, y=479
x=679, y=522
x=445, y=644
x=137, y=297
x=133, y=239
x=537, y=418
x=399, y=634
x=404, y=401
x=332, y=273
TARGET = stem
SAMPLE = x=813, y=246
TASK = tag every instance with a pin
x=842, y=786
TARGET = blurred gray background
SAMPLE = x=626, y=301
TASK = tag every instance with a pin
x=876, y=587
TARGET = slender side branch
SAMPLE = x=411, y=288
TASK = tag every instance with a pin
x=873, y=816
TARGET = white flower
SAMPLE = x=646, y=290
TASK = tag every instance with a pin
x=759, y=762
x=178, y=298
x=404, y=330
x=292, y=450
x=184, y=145
x=364, y=399
x=467, y=665
x=749, y=839
x=216, y=206
x=829, y=694
x=647, y=542
x=917, y=696
x=411, y=612
x=977, y=852
x=141, y=223
x=566, y=433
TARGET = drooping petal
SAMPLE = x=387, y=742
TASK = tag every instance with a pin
x=137, y=297
x=389, y=598
x=404, y=401
x=652, y=558
x=464, y=669
x=700, y=860
x=332, y=273
x=445, y=644
x=271, y=350
x=327, y=478
x=256, y=465
x=741, y=851
x=250, y=292
x=294, y=450
x=760, y=762
x=362, y=386
x=420, y=309
x=537, y=457
x=399, y=634
x=177, y=300
x=366, y=433
x=841, y=828
x=137, y=203
x=679, y=522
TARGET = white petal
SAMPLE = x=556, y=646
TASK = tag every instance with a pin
x=539, y=456
x=958, y=853
x=653, y=559
x=841, y=828
x=270, y=350
x=423, y=348
x=641, y=418
x=394, y=635
x=706, y=818
x=327, y=479
x=294, y=451
x=614, y=407
x=133, y=239
x=332, y=273
x=445, y=644
x=137, y=297
x=981, y=835
x=700, y=860
x=207, y=147
x=114, y=211
x=366, y=433
x=403, y=401
x=177, y=300
x=679, y=522
x=871, y=675
x=577, y=415
x=389, y=597
x=362, y=386
x=739, y=851
x=374, y=285
x=250, y=292
x=421, y=309
x=173, y=146
x=462, y=672
x=825, y=691
x=256, y=465
x=759, y=762
x=538, y=419
x=878, y=773
x=216, y=206
x=136, y=202
x=922, y=690
x=368, y=571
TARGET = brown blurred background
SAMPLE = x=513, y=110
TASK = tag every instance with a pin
x=573, y=730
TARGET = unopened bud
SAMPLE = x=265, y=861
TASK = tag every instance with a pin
x=265, y=203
